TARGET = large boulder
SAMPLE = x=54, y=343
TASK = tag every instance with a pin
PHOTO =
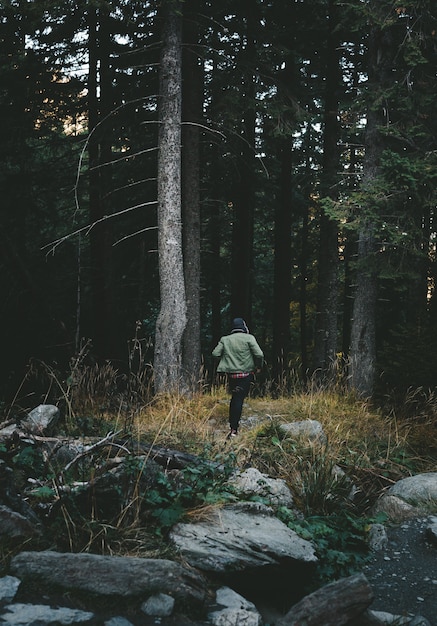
x=111, y=575
x=409, y=498
x=238, y=537
x=418, y=490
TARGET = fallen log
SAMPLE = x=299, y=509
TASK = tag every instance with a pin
x=173, y=459
x=334, y=604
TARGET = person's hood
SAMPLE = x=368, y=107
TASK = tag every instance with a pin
x=239, y=325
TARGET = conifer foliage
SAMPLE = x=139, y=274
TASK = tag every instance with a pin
x=297, y=191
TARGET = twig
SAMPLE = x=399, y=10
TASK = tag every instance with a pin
x=90, y=449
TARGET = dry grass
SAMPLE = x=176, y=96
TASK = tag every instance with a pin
x=374, y=448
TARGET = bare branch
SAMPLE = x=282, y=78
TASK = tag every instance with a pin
x=54, y=244
x=138, y=232
x=99, y=444
x=125, y=157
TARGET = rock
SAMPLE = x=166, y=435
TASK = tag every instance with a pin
x=159, y=605
x=41, y=420
x=238, y=537
x=111, y=575
x=252, y=482
x=8, y=431
x=42, y=615
x=418, y=490
x=236, y=611
x=306, y=429
x=234, y=617
x=399, y=620
x=335, y=604
x=377, y=537
x=409, y=497
x=14, y=525
x=229, y=598
x=395, y=508
x=8, y=588
x=117, y=621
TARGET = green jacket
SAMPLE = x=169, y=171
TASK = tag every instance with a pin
x=238, y=352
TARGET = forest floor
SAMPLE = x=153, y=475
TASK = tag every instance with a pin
x=403, y=576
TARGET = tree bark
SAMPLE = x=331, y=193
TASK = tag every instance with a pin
x=362, y=359
x=95, y=212
x=171, y=320
x=282, y=258
x=303, y=298
x=325, y=340
x=192, y=80
x=100, y=152
x=244, y=205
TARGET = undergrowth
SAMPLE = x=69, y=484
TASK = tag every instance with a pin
x=334, y=481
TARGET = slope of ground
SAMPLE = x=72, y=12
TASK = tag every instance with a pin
x=403, y=576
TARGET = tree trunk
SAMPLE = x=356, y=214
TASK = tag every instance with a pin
x=171, y=320
x=96, y=244
x=363, y=348
x=282, y=258
x=244, y=206
x=325, y=341
x=303, y=299
x=362, y=359
x=108, y=322
x=99, y=147
x=192, y=80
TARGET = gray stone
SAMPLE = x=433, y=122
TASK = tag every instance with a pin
x=395, y=508
x=159, y=605
x=240, y=536
x=236, y=610
x=420, y=489
x=409, y=497
x=305, y=429
x=227, y=597
x=111, y=575
x=377, y=537
x=41, y=419
x=42, y=615
x=8, y=588
x=399, y=620
x=117, y=621
x=234, y=617
x=8, y=431
x=13, y=524
x=252, y=482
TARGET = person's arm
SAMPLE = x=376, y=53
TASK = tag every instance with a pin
x=218, y=350
x=258, y=354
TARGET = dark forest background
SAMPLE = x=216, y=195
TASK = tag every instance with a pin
x=313, y=126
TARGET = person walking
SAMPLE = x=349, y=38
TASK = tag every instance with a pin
x=239, y=356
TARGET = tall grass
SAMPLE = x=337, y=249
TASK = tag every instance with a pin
x=366, y=448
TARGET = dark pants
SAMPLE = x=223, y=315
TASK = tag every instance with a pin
x=239, y=388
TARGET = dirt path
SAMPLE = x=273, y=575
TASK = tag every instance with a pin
x=404, y=575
